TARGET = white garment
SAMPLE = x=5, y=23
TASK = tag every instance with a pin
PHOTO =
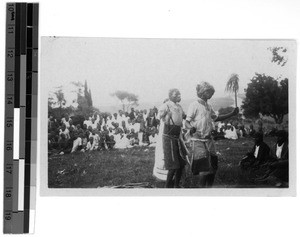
x=176, y=113
x=159, y=170
x=140, y=137
x=256, y=151
x=88, y=146
x=88, y=123
x=153, y=139
x=231, y=134
x=66, y=122
x=123, y=143
x=109, y=123
x=96, y=140
x=76, y=144
x=66, y=132
x=201, y=116
x=94, y=125
x=279, y=151
x=145, y=116
x=220, y=125
x=119, y=120
x=136, y=127
x=117, y=138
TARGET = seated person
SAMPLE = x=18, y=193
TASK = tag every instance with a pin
x=53, y=140
x=77, y=143
x=85, y=140
x=230, y=133
x=64, y=144
x=134, y=140
x=110, y=142
x=96, y=138
x=89, y=144
x=251, y=131
x=153, y=136
x=258, y=155
x=122, y=141
x=64, y=131
x=71, y=125
x=278, y=164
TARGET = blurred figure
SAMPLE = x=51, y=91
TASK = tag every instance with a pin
x=278, y=164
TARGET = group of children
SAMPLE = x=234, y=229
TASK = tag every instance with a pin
x=103, y=131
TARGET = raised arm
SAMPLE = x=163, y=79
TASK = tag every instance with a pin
x=226, y=116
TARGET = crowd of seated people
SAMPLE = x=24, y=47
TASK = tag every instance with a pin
x=232, y=130
x=236, y=129
x=103, y=131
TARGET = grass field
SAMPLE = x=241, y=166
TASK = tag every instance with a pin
x=119, y=167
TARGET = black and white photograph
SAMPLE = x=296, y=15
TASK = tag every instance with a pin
x=159, y=118
x=184, y=114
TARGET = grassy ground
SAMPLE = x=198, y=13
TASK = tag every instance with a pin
x=119, y=167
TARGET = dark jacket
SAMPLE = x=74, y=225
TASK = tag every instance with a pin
x=263, y=152
x=283, y=161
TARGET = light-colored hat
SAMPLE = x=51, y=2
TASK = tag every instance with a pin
x=204, y=86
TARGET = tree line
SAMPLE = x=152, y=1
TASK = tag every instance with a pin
x=264, y=95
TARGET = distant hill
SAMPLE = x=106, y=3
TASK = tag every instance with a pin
x=217, y=103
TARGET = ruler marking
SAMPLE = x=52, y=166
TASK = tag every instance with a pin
x=21, y=184
x=20, y=149
x=9, y=88
x=16, y=127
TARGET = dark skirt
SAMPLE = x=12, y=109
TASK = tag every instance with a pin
x=172, y=147
x=204, y=158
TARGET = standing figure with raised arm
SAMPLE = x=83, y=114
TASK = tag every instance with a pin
x=200, y=120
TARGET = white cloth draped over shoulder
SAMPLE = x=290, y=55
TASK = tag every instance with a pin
x=159, y=170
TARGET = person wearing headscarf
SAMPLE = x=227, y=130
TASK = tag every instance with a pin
x=200, y=120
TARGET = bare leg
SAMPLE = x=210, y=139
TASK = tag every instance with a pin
x=170, y=181
x=178, y=174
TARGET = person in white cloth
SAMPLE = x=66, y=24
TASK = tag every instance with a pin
x=230, y=133
x=200, y=119
x=170, y=151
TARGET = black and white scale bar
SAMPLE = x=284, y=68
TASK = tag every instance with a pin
x=20, y=117
x=9, y=116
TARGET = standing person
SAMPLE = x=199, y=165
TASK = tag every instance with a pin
x=199, y=120
x=171, y=115
x=132, y=114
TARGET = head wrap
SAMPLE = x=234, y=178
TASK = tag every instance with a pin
x=204, y=86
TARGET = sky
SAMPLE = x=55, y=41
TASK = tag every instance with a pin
x=150, y=67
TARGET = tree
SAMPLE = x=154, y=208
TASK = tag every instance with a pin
x=266, y=96
x=61, y=101
x=127, y=99
x=279, y=55
x=89, y=99
x=88, y=95
x=233, y=85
